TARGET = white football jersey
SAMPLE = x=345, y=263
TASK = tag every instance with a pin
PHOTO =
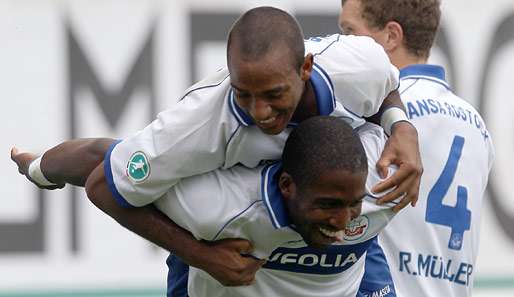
x=246, y=203
x=432, y=248
x=207, y=129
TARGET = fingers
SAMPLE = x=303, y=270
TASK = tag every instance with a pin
x=253, y=264
x=394, y=180
x=14, y=155
x=235, y=266
x=14, y=151
x=409, y=198
x=242, y=246
x=246, y=277
x=408, y=188
x=383, y=165
x=22, y=160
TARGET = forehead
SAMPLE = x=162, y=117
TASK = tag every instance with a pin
x=351, y=11
x=339, y=184
x=277, y=54
x=275, y=66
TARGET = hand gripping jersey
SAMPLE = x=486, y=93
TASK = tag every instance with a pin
x=432, y=247
x=207, y=130
x=246, y=203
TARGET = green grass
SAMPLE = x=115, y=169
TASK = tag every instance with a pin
x=480, y=284
x=494, y=283
x=89, y=293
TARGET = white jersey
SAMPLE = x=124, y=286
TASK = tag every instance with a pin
x=246, y=203
x=432, y=247
x=207, y=130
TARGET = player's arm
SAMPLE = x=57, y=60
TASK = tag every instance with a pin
x=70, y=162
x=187, y=139
x=401, y=149
x=221, y=259
x=366, y=83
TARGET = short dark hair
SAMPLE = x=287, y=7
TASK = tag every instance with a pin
x=419, y=20
x=320, y=144
x=260, y=29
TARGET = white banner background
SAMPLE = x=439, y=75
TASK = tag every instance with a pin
x=37, y=84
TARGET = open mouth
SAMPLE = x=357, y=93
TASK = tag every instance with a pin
x=268, y=121
x=333, y=235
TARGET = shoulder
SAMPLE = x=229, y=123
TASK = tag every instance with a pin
x=216, y=82
x=337, y=42
x=348, y=51
x=217, y=198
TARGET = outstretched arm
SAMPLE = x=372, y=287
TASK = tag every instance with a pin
x=401, y=149
x=80, y=162
x=70, y=162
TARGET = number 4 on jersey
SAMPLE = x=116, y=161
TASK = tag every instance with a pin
x=457, y=217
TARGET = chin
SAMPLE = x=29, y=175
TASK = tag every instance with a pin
x=273, y=131
x=316, y=244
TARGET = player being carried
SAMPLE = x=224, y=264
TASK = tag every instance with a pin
x=240, y=115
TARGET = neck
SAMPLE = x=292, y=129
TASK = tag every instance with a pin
x=401, y=59
x=307, y=107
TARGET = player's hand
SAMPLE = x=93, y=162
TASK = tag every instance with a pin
x=23, y=160
x=225, y=261
x=401, y=149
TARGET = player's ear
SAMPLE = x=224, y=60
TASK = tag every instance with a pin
x=286, y=185
x=394, y=36
x=306, y=69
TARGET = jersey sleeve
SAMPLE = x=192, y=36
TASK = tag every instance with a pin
x=205, y=204
x=373, y=139
x=360, y=71
x=185, y=140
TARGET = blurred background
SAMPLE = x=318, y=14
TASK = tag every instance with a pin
x=87, y=68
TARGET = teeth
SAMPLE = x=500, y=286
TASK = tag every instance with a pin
x=334, y=234
x=267, y=121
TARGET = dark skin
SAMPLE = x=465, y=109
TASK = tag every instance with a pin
x=221, y=259
x=328, y=203
x=264, y=102
x=279, y=94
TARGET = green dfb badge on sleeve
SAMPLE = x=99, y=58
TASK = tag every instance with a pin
x=138, y=167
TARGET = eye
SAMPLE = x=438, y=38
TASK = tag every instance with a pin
x=356, y=203
x=328, y=204
x=274, y=95
x=242, y=95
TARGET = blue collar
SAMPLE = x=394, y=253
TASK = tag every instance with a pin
x=272, y=196
x=425, y=71
x=323, y=89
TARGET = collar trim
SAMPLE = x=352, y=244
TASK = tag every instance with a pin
x=272, y=197
x=425, y=71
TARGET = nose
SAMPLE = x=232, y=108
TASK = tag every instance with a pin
x=355, y=212
x=341, y=218
x=260, y=110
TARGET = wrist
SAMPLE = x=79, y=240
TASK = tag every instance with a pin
x=192, y=253
x=391, y=117
x=36, y=174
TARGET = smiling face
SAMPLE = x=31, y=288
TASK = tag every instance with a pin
x=321, y=211
x=269, y=88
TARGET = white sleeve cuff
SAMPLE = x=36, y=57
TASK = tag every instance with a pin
x=37, y=175
x=390, y=117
